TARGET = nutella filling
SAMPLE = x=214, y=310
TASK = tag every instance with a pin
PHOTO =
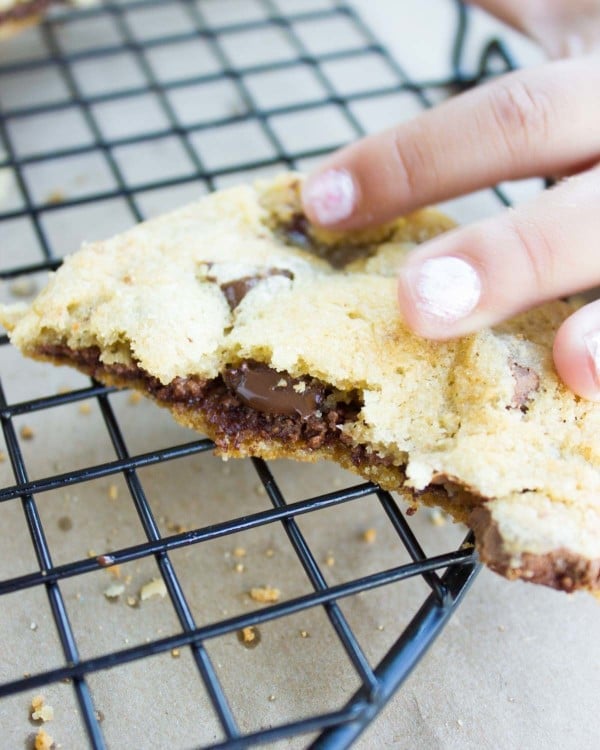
x=248, y=403
x=272, y=392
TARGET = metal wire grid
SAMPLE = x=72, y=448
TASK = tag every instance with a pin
x=337, y=728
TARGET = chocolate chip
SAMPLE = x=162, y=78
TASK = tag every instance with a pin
x=271, y=392
x=236, y=290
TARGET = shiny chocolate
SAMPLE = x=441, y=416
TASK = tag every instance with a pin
x=266, y=390
x=236, y=290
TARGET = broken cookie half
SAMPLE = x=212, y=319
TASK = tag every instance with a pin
x=279, y=339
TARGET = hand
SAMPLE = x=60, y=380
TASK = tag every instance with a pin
x=541, y=121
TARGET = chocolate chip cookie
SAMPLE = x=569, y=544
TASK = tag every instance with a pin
x=280, y=339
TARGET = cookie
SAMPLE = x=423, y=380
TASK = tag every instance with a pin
x=279, y=339
x=17, y=15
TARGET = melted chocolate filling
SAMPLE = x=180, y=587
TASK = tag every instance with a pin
x=298, y=233
x=248, y=403
x=271, y=392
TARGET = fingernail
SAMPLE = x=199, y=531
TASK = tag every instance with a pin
x=592, y=343
x=331, y=196
x=446, y=289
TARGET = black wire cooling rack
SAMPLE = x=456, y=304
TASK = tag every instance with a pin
x=447, y=576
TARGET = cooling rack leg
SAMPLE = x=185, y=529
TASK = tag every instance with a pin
x=402, y=657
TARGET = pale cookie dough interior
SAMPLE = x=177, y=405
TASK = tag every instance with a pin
x=279, y=339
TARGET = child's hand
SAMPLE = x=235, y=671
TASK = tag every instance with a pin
x=541, y=121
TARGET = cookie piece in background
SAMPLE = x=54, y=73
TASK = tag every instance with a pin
x=17, y=15
x=279, y=339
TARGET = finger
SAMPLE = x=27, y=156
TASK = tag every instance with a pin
x=577, y=351
x=478, y=275
x=538, y=121
x=564, y=28
x=515, y=13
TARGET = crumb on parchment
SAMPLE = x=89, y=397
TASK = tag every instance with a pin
x=43, y=741
x=114, y=590
x=265, y=594
x=155, y=587
x=40, y=710
x=369, y=536
x=27, y=433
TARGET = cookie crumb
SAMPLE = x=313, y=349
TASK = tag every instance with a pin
x=27, y=433
x=176, y=528
x=114, y=590
x=85, y=408
x=265, y=594
x=113, y=492
x=40, y=710
x=260, y=490
x=2, y=457
x=55, y=197
x=411, y=510
x=132, y=601
x=33, y=626
x=249, y=637
x=155, y=587
x=134, y=398
x=369, y=536
x=380, y=627
x=43, y=741
x=239, y=567
x=269, y=552
x=329, y=560
x=271, y=698
x=114, y=571
x=175, y=653
x=304, y=634
x=23, y=286
x=239, y=552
